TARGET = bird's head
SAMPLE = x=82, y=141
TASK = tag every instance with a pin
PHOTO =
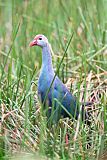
x=39, y=40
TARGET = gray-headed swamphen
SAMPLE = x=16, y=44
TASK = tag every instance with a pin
x=60, y=102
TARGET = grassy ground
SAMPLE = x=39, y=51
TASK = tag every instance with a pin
x=23, y=131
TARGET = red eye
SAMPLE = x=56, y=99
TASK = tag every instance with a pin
x=40, y=38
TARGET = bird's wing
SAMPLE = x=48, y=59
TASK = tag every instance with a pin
x=64, y=97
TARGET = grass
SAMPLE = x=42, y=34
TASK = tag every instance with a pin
x=23, y=131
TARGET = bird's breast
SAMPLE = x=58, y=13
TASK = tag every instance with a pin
x=44, y=83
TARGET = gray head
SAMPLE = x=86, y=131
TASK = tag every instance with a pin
x=39, y=40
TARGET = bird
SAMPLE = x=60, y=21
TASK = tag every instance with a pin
x=55, y=97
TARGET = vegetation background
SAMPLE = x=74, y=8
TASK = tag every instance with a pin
x=23, y=131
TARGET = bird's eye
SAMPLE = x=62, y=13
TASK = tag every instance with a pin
x=40, y=38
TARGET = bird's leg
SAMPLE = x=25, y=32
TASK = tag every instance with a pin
x=67, y=139
x=66, y=131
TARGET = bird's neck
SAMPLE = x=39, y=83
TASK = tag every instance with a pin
x=47, y=59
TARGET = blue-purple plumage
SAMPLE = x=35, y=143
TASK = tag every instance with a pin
x=58, y=97
x=59, y=101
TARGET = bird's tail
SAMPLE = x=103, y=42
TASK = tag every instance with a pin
x=87, y=117
x=85, y=112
